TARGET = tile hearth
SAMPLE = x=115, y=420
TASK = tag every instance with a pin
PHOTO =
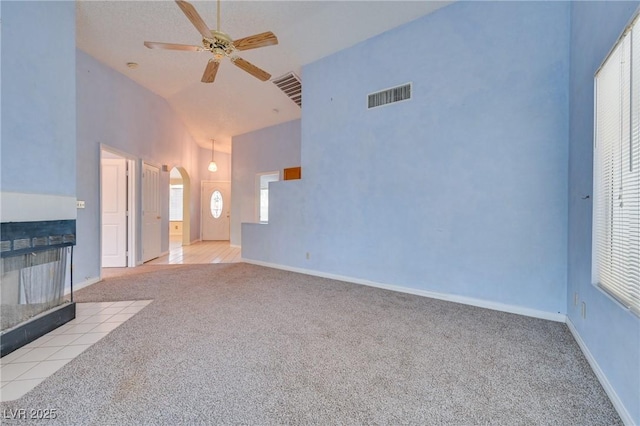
x=25, y=368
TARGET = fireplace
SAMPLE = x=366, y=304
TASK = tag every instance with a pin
x=35, y=269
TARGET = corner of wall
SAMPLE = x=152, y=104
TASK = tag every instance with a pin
x=602, y=377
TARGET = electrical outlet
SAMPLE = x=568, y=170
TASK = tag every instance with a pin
x=584, y=310
x=576, y=299
x=79, y=204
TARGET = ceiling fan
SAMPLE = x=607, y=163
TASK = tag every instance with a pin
x=220, y=45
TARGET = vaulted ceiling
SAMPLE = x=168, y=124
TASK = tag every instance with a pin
x=114, y=31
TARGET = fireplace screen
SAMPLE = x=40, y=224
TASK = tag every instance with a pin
x=32, y=283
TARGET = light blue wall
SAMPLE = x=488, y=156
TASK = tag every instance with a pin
x=271, y=149
x=115, y=111
x=38, y=98
x=462, y=189
x=611, y=333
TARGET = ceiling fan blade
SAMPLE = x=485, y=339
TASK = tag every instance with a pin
x=257, y=40
x=210, y=71
x=258, y=73
x=172, y=46
x=194, y=17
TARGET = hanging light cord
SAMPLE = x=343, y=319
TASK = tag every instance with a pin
x=213, y=167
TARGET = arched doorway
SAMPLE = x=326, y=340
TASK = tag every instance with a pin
x=180, y=205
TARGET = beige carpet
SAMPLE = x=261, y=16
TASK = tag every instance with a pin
x=242, y=344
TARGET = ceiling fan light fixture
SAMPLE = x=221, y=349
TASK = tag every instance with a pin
x=218, y=54
x=213, y=167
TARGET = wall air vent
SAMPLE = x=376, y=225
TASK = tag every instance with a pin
x=291, y=85
x=388, y=96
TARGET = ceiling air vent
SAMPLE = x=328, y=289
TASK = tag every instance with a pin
x=395, y=94
x=291, y=86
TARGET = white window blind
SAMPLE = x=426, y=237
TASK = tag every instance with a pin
x=616, y=215
x=175, y=202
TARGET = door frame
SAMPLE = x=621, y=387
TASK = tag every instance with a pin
x=256, y=198
x=142, y=224
x=132, y=206
x=202, y=183
x=186, y=204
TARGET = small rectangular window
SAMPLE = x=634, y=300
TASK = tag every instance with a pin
x=263, y=180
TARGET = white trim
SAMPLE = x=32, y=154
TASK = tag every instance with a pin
x=21, y=207
x=496, y=306
x=132, y=201
x=145, y=235
x=594, y=181
x=164, y=253
x=83, y=284
x=132, y=206
x=116, y=152
x=193, y=242
x=235, y=246
x=611, y=393
x=203, y=204
x=186, y=205
x=258, y=188
x=624, y=32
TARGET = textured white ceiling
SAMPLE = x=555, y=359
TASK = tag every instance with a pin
x=114, y=31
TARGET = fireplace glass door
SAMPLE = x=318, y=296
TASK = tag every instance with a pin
x=32, y=283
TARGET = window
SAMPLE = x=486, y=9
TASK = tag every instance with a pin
x=263, y=194
x=616, y=208
x=175, y=202
x=216, y=204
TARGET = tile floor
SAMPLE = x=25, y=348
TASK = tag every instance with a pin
x=200, y=252
x=25, y=368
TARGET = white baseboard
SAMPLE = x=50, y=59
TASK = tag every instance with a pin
x=83, y=284
x=234, y=246
x=613, y=396
x=496, y=306
x=155, y=258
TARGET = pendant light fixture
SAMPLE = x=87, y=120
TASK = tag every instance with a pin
x=212, y=165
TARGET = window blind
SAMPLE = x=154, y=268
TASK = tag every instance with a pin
x=175, y=202
x=616, y=216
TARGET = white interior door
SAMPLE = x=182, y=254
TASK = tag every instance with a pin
x=150, y=212
x=114, y=212
x=216, y=210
